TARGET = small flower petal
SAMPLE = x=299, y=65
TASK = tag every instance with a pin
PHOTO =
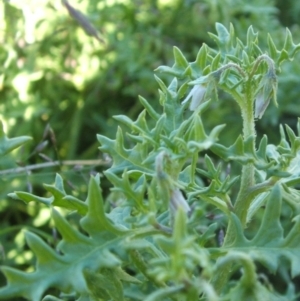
x=261, y=105
x=197, y=94
x=188, y=96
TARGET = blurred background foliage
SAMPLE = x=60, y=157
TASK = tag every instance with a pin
x=62, y=87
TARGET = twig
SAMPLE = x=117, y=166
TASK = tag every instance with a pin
x=54, y=163
x=83, y=21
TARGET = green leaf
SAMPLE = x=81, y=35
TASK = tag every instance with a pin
x=135, y=196
x=153, y=114
x=223, y=38
x=140, y=126
x=104, y=285
x=289, y=45
x=180, y=60
x=66, y=269
x=51, y=298
x=234, y=152
x=272, y=48
x=251, y=37
x=131, y=159
x=216, y=62
x=9, y=144
x=270, y=243
x=59, y=197
x=96, y=220
x=256, y=292
x=200, y=62
x=179, y=68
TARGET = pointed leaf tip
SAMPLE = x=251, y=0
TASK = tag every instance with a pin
x=96, y=220
x=180, y=60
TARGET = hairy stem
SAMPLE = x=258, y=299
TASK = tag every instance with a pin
x=244, y=198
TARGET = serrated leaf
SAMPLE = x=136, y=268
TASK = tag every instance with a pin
x=180, y=60
x=283, y=56
x=251, y=37
x=269, y=244
x=65, y=269
x=179, y=67
x=234, y=152
x=139, y=126
x=199, y=65
x=131, y=159
x=96, y=220
x=59, y=197
x=28, y=197
x=135, y=196
x=223, y=35
x=289, y=45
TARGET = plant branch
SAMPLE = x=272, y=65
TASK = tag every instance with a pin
x=244, y=198
x=54, y=163
x=259, y=60
x=231, y=66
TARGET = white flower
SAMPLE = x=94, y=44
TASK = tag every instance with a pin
x=261, y=105
x=197, y=94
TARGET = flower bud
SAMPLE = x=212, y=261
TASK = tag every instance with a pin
x=177, y=200
x=267, y=90
x=197, y=94
x=261, y=105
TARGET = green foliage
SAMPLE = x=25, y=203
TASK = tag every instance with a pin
x=61, y=86
x=52, y=72
x=78, y=255
x=152, y=239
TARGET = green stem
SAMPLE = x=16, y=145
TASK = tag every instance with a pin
x=246, y=193
x=258, y=61
x=244, y=198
